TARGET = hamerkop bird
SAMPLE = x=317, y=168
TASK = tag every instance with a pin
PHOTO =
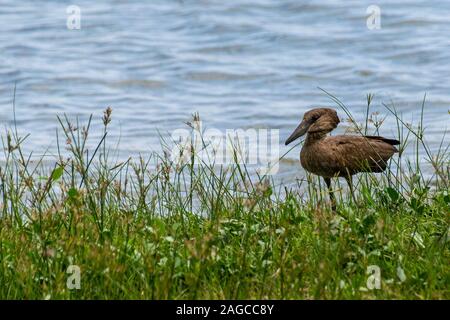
x=342, y=155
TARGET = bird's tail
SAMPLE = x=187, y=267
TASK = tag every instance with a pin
x=392, y=142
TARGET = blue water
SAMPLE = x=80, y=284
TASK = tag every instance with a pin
x=240, y=64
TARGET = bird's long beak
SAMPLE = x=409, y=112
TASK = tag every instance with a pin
x=299, y=131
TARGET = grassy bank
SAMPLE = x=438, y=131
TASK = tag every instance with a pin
x=153, y=229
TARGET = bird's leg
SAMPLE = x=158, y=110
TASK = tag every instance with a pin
x=350, y=185
x=330, y=192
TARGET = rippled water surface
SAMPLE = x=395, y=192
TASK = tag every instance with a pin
x=240, y=64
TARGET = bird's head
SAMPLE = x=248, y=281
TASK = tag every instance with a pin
x=318, y=120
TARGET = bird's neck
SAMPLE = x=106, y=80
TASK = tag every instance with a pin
x=314, y=137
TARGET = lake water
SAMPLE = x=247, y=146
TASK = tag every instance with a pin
x=240, y=64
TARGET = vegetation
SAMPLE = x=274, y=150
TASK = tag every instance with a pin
x=155, y=229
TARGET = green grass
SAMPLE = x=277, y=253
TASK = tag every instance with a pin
x=152, y=229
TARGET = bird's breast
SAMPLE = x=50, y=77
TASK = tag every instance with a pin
x=316, y=159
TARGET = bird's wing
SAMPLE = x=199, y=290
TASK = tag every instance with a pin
x=357, y=153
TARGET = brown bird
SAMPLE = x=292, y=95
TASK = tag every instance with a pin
x=342, y=155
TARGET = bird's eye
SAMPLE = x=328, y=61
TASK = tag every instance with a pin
x=315, y=117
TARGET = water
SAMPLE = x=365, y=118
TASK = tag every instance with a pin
x=240, y=64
